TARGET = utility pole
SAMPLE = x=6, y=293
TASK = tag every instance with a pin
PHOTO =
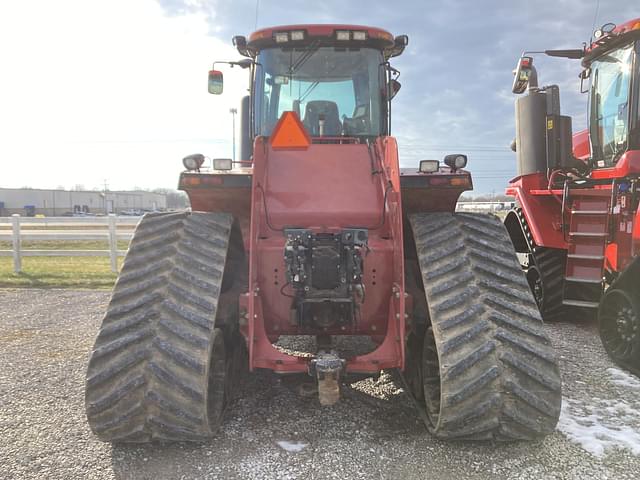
x=104, y=194
x=233, y=112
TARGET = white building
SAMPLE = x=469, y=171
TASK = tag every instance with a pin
x=29, y=202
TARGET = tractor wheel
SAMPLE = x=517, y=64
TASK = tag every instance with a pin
x=159, y=365
x=488, y=369
x=619, y=325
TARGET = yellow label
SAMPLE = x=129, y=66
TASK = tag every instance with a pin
x=550, y=124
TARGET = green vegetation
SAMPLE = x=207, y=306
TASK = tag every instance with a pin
x=60, y=272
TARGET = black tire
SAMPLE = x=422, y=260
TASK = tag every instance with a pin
x=619, y=325
x=158, y=367
x=489, y=371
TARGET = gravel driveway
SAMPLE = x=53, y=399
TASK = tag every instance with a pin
x=276, y=432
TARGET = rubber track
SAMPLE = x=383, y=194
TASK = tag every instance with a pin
x=551, y=263
x=148, y=373
x=499, y=376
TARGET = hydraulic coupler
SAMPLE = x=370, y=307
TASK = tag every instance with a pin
x=327, y=367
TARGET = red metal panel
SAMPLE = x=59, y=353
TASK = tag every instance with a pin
x=581, y=145
x=542, y=212
x=628, y=164
x=325, y=188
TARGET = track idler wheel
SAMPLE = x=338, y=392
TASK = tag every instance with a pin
x=619, y=325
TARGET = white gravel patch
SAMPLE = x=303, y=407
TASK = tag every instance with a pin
x=291, y=446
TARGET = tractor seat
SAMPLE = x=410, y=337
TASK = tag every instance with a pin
x=316, y=108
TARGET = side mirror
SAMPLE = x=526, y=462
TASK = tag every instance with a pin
x=522, y=75
x=394, y=88
x=215, y=82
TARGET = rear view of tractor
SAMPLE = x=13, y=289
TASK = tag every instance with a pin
x=317, y=232
x=576, y=226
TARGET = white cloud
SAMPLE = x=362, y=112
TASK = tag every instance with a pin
x=117, y=90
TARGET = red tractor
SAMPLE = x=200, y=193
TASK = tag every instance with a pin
x=317, y=232
x=576, y=226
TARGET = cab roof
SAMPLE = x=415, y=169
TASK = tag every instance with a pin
x=621, y=34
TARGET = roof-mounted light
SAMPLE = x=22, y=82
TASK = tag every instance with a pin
x=222, y=164
x=359, y=35
x=343, y=35
x=456, y=161
x=429, y=166
x=297, y=35
x=193, y=161
x=281, y=37
x=605, y=29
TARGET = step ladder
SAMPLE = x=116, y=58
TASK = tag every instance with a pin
x=587, y=234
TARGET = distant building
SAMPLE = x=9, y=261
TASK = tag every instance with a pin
x=29, y=202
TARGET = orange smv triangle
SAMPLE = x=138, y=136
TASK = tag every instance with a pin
x=290, y=133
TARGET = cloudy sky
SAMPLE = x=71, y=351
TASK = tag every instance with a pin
x=114, y=91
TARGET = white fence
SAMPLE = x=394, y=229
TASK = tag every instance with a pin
x=106, y=229
x=483, y=206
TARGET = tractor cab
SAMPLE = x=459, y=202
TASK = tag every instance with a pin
x=614, y=120
x=577, y=224
x=612, y=139
x=335, y=78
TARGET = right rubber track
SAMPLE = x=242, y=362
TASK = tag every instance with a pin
x=498, y=374
x=155, y=372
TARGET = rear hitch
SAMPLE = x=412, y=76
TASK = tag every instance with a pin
x=326, y=368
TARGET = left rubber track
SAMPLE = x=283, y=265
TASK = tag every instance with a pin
x=157, y=370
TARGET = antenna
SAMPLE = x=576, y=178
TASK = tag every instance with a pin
x=595, y=17
x=255, y=27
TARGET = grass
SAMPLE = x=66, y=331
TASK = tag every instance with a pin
x=64, y=245
x=60, y=272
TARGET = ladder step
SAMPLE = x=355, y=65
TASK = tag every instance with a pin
x=580, y=303
x=585, y=257
x=583, y=280
x=590, y=212
x=588, y=234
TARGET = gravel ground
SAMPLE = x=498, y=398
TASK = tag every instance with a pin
x=276, y=432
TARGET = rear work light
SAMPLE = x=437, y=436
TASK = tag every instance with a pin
x=456, y=161
x=222, y=164
x=429, y=166
x=193, y=161
x=281, y=37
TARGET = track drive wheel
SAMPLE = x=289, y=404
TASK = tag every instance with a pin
x=488, y=369
x=619, y=325
x=159, y=367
